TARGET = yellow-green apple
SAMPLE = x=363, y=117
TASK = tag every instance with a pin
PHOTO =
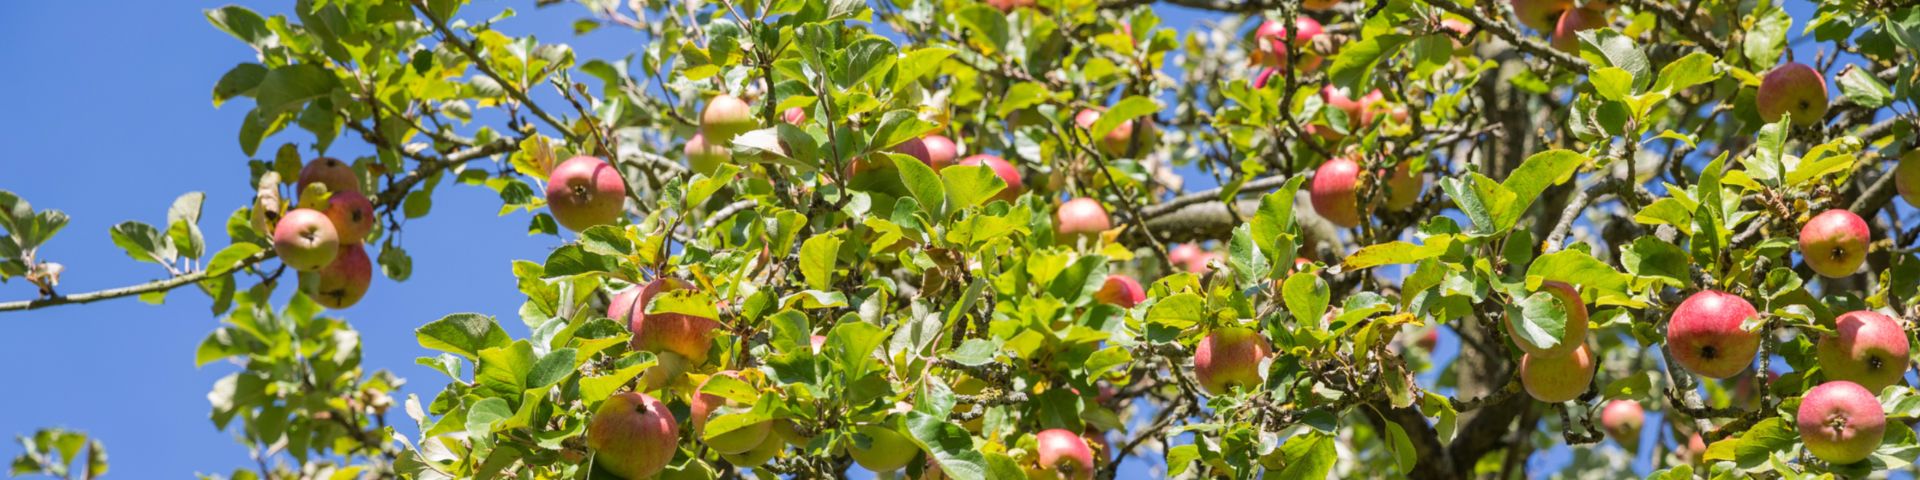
x=1622, y=418
x=1006, y=171
x=352, y=216
x=1229, y=357
x=1841, y=422
x=881, y=449
x=1063, y=454
x=941, y=151
x=341, y=284
x=1906, y=177
x=725, y=117
x=1573, y=336
x=1834, y=243
x=740, y=440
x=1540, y=15
x=1119, y=140
x=1333, y=191
x=1867, y=348
x=1081, y=218
x=584, y=192
x=1792, y=88
x=703, y=157
x=1557, y=379
x=338, y=176
x=1271, y=43
x=689, y=336
x=1120, y=290
x=759, y=455
x=1566, y=31
x=795, y=116
x=1403, y=187
x=305, y=239
x=633, y=435
x=1705, y=337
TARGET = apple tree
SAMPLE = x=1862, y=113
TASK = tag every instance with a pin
x=1056, y=238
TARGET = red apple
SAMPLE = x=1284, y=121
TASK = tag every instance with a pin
x=633, y=435
x=1540, y=15
x=1428, y=340
x=621, y=305
x=881, y=449
x=1081, y=218
x=338, y=176
x=1793, y=88
x=1906, y=177
x=341, y=284
x=1576, y=330
x=1834, y=243
x=1622, y=420
x=1338, y=98
x=1557, y=379
x=941, y=151
x=1266, y=75
x=705, y=158
x=352, y=216
x=1334, y=194
x=585, y=191
x=1007, y=172
x=1403, y=187
x=795, y=116
x=1119, y=140
x=726, y=116
x=686, y=335
x=1121, y=290
x=1184, y=253
x=1566, y=31
x=1705, y=337
x=734, y=442
x=1695, y=450
x=1271, y=44
x=305, y=240
x=1230, y=357
x=1009, y=5
x=1841, y=422
x=1867, y=348
x=1062, y=454
x=1203, y=263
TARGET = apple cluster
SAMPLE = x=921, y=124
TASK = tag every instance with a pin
x=321, y=236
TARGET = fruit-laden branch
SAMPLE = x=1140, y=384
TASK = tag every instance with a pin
x=1505, y=32
x=386, y=199
x=1684, y=22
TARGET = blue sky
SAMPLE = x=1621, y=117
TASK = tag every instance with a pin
x=108, y=119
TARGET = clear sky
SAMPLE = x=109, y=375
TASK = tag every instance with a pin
x=108, y=117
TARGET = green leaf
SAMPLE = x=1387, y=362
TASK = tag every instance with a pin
x=988, y=27
x=286, y=89
x=240, y=81
x=1398, y=252
x=1353, y=67
x=1404, y=454
x=1486, y=203
x=1655, y=259
x=1767, y=38
x=551, y=369
x=183, y=224
x=229, y=258
x=950, y=445
x=1309, y=455
x=1578, y=268
x=1766, y=164
x=462, y=333
x=1758, y=446
x=241, y=23
x=968, y=186
x=1306, y=297
x=1180, y=311
x=1542, y=320
x=1606, y=47
x=1542, y=170
x=485, y=414
x=921, y=181
x=1612, y=83
x=1694, y=69
x=818, y=259
x=143, y=242
x=1021, y=96
x=595, y=389
x=1128, y=109
x=503, y=370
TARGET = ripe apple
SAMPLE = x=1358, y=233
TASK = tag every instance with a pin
x=1867, y=348
x=1266, y=75
x=705, y=158
x=1119, y=140
x=1557, y=379
x=1427, y=340
x=1203, y=263
x=686, y=335
x=941, y=151
x=338, y=176
x=1184, y=253
x=1374, y=104
x=1841, y=422
x=1062, y=454
x=633, y=435
x=1403, y=187
x=1271, y=48
x=305, y=239
x=1571, y=23
x=1230, y=357
x=1622, y=420
x=341, y=284
x=1121, y=290
x=1081, y=218
x=726, y=116
x=1334, y=194
x=1834, y=243
x=585, y=191
x=1338, y=98
x=352, y=216
x=621, y=305
x=1794, y=88
x=1576, y=331
x=738, y=441
x=1009, y=5
x=1007, y=172
x=1705, y=335
x=1906, y=177
x=795, y=116
x=1695, y=450
x=881, y=449
x=1540, y=15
